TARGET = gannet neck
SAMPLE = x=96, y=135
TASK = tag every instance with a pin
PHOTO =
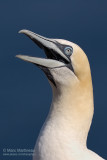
x=72, y=108
x=64, y=133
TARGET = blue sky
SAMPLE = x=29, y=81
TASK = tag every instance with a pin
x=25, y=95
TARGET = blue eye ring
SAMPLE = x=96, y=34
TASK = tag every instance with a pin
x=68, y=51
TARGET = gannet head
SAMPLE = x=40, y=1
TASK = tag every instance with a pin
x=66, y=62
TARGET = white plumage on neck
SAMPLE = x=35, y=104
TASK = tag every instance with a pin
x=64, y=134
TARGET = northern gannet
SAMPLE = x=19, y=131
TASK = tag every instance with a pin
x=64, y=133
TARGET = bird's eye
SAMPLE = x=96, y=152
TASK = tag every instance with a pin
x=68, y=51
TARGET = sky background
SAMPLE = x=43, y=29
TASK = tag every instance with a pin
x=25, y=94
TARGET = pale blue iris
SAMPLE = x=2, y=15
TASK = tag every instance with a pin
x=68, y=51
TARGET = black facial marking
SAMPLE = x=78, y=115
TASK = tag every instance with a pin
x=70, y=67
x=62, y=47
x=47, y=73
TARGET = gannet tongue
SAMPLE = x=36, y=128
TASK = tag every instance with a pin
x=49, y=63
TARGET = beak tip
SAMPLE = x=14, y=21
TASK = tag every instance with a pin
x=23, y=57
x=23, y=31
x=18, y=56
x=20, y=31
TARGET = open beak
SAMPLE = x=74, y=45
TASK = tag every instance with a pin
x=55, y=57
